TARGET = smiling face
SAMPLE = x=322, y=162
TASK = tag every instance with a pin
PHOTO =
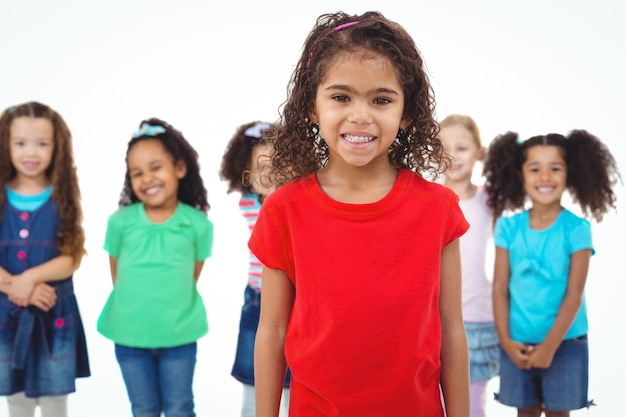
x=464, y=150
x=31, y=144
x=544, y=175
x=154, y=175
x=359, y=107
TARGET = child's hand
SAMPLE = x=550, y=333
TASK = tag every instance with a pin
x=43, y=297
x=5, y=277
x=519, y=353
x=540, y=357
x=21, y=289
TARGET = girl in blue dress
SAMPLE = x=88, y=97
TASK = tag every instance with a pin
x=42, y=340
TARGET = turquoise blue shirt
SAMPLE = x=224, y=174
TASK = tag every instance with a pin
x=539, y=263
x=28, y=202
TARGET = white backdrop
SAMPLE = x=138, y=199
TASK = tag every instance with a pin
x=533, y=67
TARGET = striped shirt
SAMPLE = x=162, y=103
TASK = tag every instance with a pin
x=250, y=205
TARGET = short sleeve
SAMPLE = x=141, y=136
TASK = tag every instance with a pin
x=580, y=237
x=457, y=222
x=270, y=241
x=113, y=236
x=204, y=239
x=501, y=233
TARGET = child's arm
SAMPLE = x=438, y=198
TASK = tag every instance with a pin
x=517, y=352
x=113, y=268
x=5, y=281
x=56, y=269
x=43, y=296
x=542, y=354
x=197, y=270
x=454, y=350
x=270, y=366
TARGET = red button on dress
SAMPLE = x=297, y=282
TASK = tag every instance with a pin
x=21, y=255
x=24, y=215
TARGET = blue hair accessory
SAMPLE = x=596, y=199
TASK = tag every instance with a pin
x=257, y=130
x=520, y=140
x=12, y=109
x=148, y=130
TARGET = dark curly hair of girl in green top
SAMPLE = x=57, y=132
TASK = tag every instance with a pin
x=191, y=190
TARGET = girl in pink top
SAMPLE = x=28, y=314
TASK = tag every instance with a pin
x=461, y=140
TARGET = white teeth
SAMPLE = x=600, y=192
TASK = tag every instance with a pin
x=544, y=189
x=152, y=190
x=358, y=139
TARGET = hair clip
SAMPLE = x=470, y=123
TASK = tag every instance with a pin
x=12, y=109
x=148, y=130
x=345, y=25
x=256, y=131
x=335, y=29
x=520, y=140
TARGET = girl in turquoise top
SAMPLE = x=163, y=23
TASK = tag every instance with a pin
x=157, y=242
x=541, y=264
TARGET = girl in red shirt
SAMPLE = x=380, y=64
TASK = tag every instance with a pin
x=362, y=271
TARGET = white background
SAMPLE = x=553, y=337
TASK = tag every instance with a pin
x=206, y=67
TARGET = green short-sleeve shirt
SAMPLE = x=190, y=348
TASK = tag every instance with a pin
x=155, y=301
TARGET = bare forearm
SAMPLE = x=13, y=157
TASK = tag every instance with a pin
x=4, y=287
x=455, y=372
x=5, y=279
x=564, y=319
x=501, y=312
x=270, y=368
x=56, y=269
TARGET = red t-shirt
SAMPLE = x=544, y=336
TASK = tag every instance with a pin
x=364, y=334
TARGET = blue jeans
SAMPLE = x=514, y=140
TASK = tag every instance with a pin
x=561, y=387
x=159, y=379
x=243, y=367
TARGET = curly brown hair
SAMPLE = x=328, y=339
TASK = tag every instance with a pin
x=299, y=150
x=191, y=190
x=592, y=171
x=61, y=173
x=236, y=160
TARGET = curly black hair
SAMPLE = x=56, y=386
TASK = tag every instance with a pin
x=300, y=151
x=236, y=160
x=592, y=171
x=191, y=189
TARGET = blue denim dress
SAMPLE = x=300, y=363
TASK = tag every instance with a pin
x=41, y=353
x=243, y=368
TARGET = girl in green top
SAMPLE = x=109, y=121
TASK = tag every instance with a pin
x=157, y=241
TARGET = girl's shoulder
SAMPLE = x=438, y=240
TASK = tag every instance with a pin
x=515, y=219
x=191, y=214
x=294, y=189
x=126, y=212
x=573, y=220
x=417, y=183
